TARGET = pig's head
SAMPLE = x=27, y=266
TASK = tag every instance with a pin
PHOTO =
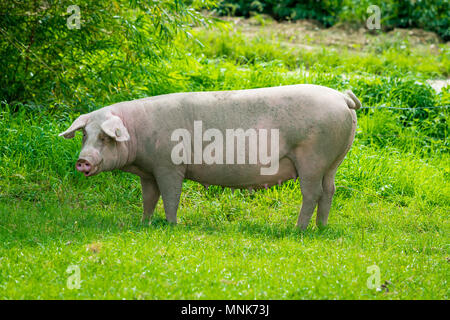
x=105, y=146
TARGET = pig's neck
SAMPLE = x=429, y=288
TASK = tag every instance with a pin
x=130, y=145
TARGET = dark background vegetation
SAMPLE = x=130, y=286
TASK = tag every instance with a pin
x=426, y=14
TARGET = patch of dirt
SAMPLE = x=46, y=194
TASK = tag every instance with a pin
x=310, y=32
x=416, y=36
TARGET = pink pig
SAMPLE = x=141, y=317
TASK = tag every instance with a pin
x=303, y=130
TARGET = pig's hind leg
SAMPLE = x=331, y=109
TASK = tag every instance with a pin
x=324, y=205
x=311, y=187
x=311, y=172
x=311, y=165
x=328, y=184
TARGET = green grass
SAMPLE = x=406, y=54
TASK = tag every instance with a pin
x=386, y=212
x=391, y=208
x=380, y=55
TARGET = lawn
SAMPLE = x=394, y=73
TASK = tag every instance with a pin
x=391, y=208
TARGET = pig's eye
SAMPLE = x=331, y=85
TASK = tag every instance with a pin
x=104, y=138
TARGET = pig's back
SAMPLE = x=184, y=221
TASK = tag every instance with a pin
x=249, y=108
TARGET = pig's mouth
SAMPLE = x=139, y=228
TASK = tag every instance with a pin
x=91, y=173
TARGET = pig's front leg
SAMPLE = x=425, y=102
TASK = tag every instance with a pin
x=170, y=182
x=150, y=196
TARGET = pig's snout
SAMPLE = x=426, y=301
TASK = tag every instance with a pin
x=84, y=167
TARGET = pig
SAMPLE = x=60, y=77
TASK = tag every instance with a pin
x=311, y=129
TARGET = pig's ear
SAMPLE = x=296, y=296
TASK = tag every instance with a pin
x=78, y=124
x=114, y=128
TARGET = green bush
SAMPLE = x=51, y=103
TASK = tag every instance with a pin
x=119, y=51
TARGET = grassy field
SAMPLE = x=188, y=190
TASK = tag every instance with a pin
x=391, y=208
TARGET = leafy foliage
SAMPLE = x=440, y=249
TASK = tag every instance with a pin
x=120, y=49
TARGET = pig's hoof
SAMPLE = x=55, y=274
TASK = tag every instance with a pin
x=146, y=220
x=321, y=226
x=302, y=227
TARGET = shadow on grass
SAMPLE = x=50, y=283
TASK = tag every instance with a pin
x=30, y=224
x=262, y=230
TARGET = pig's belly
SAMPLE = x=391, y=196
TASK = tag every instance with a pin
x=241, y=176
